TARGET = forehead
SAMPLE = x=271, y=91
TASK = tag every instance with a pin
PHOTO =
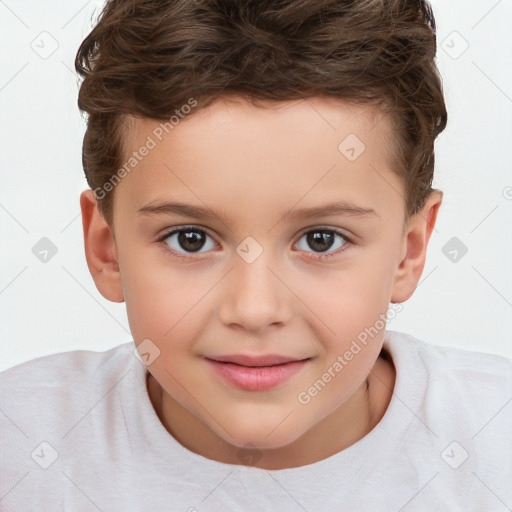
x=268, y=153
x=319, y=113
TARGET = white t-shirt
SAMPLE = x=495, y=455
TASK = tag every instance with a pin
x=79, y=433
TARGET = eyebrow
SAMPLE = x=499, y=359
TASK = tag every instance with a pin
x=199, y=212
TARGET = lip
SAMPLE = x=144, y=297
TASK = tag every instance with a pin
x=256, y=360
x=256, y=373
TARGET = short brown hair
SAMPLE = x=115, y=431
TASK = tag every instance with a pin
x=147, y=58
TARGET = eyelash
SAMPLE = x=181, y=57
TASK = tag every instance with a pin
x=319, y=256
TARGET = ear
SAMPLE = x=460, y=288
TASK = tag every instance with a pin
x=415, y=241
x=100, y=249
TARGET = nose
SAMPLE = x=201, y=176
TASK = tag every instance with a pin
x=254, y=296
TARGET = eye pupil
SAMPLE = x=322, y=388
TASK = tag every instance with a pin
x=320, y=241
x=191, y=241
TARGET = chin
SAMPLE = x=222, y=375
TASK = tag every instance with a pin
x=267, y=435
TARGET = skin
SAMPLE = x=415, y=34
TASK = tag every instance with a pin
x=254, y=165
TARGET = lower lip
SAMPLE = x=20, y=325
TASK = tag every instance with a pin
x=256, y=378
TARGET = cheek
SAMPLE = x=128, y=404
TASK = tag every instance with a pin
x=354, y=309
x=349, y=299
x=351, y=308
x=161, y=303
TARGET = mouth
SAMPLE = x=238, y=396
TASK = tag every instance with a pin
x=256, y=373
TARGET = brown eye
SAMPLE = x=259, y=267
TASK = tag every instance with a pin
x=188, y=240
x=322, y=240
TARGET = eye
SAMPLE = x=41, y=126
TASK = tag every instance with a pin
x=188, y=240
x=322, y=240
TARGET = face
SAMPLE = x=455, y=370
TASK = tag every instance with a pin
x=255, y=245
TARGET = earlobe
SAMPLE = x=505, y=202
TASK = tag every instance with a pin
x=100, y=249
x=410, y=268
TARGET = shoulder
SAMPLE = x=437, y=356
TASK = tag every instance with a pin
x=458, y=409
x=54, y=387
x=64, y=366
x=451, y=382
x=449, y=361
x=59, y=407
x=454, y=389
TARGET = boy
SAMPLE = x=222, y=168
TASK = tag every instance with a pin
x=260, y=179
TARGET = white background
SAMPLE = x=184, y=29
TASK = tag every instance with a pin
x=54, y=306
